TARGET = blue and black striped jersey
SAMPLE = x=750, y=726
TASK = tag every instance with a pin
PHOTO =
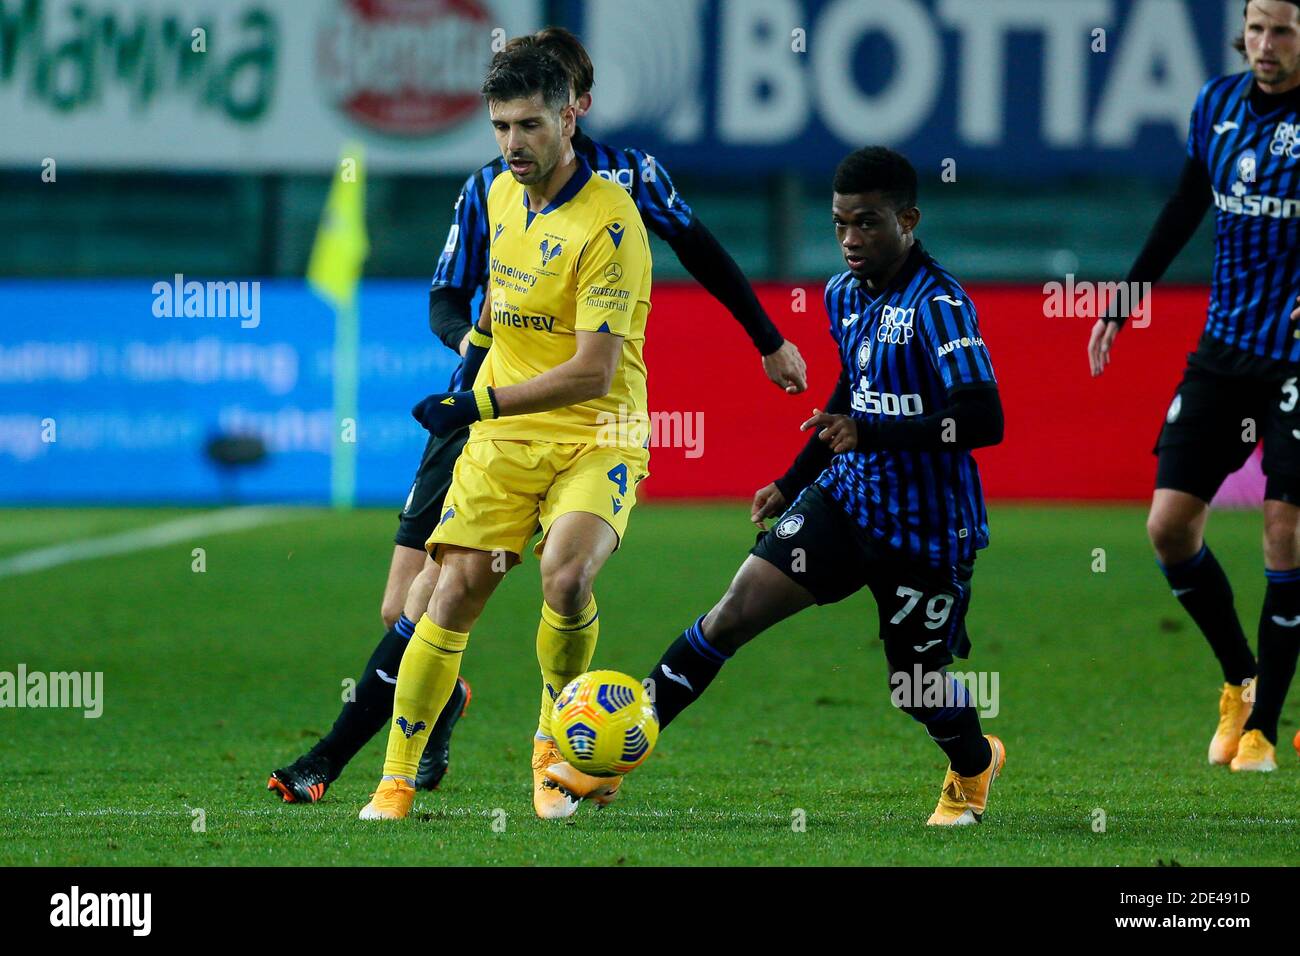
x=1253, y=163
x=463, y=264
x=903, y=350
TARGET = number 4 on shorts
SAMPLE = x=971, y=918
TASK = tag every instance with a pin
x=618, y=475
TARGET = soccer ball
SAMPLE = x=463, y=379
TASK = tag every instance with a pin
x=604, y=723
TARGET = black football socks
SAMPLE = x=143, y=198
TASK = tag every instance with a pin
x=1203, y=589
x=954, y=726
x=684, y=672
x=363, y=717
x=1279, y=645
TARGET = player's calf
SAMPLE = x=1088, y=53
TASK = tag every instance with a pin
x=759, y=596
x=954, y=724
x=1279, y=648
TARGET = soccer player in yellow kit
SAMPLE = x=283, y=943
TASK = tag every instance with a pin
x=559, y=423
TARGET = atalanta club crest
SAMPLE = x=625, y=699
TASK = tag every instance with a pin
x=1245, y=174
x=789, y=527
x=864, y=356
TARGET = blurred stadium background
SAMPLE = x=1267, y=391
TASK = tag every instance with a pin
x=1047, y=134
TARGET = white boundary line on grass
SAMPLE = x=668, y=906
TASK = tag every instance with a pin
x=142, y=539
x=755, y=816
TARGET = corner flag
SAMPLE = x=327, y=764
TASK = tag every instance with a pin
x=334, y=272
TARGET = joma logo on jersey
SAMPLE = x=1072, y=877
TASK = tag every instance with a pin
x=895, y=325
x=1286, y=140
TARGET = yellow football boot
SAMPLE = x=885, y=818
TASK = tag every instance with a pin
x=550, y=800
x=1254, y=753
x=392, y=801
x=1235, y=705
x=601, y=790
x=963, y=799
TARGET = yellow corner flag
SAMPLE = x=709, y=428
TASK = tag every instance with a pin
x=335, y=272
x=341, y=243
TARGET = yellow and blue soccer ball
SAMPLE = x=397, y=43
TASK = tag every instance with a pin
x=604, y=723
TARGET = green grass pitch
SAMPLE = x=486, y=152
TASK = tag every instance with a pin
x=1107, y=696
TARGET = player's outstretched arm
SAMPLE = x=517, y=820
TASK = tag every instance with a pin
x=670, y=217
x=712, y=266
x=1173, y=229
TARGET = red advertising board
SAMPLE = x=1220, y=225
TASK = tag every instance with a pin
x=1068, y=436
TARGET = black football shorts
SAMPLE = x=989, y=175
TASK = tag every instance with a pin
x=1214, y=423
x=416, y=521
x=922, y=608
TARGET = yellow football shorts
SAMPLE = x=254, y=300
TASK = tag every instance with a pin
x=502, y=491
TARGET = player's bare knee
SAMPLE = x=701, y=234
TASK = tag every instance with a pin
x=567, y=588
x=1173, y=540
x=1281, y=549
x=391, y=609
x=457, y=600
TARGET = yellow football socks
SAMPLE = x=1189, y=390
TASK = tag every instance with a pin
x=424, y=684
x=565, y=645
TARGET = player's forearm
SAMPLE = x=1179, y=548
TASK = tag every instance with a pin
x=816, y=454
x=449, y=315
x=712, y=266
x=973, y=419
x=1174, y=227
x=569, y=383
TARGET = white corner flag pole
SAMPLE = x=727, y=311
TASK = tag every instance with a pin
x=343, y=460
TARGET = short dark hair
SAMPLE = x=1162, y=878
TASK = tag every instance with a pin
x=878, y=169
x=566, y=48
x=1239, y=44
x=517, y=74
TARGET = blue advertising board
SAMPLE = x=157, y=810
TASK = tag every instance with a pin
x=1043, y=88
x=102, y=398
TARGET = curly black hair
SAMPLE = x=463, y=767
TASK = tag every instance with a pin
x=878, y=169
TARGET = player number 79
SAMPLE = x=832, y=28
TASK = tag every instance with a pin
x=937, y=609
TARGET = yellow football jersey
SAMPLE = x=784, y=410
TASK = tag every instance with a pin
x=580, y=265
